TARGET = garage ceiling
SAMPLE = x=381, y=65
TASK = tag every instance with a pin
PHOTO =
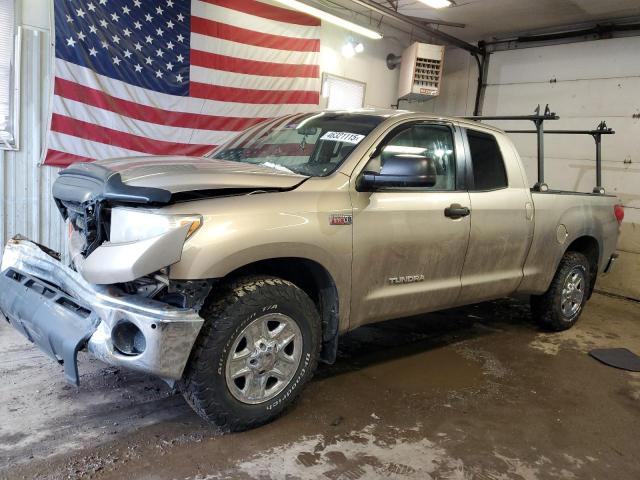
x=488, y=19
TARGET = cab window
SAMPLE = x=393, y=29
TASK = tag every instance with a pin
x=486, y=160
x=430, y=141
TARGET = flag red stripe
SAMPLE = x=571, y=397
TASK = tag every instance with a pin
x=97, y=98
x=253, y=67
x=253, y=135
x=250, y=37
x=57, y=158
x=270, y=12
x=109, y=136
x=245, y=95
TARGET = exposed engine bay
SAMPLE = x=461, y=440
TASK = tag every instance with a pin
x=85, y=194
x=177, y=293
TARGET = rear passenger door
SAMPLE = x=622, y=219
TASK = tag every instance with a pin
x=501, y=218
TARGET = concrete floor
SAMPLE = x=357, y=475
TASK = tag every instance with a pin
x=473, y=393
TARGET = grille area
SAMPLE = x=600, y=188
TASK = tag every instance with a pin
x=91, y=220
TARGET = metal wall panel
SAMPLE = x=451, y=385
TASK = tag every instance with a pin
x=584, y=83
x=26, y=206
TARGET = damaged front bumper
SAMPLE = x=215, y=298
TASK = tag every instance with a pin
x=58, y=310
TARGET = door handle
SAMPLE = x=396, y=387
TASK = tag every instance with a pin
x=456, y=211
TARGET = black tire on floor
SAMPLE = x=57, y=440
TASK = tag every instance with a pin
x=204, y=383
x=547, y=308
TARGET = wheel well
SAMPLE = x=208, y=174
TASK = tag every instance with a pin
x=590, y=248
x=316, y=282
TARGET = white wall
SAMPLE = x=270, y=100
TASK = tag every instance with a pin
x=458, y=88
x=584, y=83
x=594, y=81
x=369, y=67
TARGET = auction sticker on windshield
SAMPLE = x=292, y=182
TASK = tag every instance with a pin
x=342, y=137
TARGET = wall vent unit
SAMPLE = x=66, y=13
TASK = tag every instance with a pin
x=421, y=72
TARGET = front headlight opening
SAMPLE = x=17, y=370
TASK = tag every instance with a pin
x=132, y=225
x=196, y=223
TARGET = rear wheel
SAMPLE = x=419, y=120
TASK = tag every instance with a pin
x=258, y=347
x=560, y=307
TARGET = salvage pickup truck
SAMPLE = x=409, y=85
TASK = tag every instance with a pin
x=231, y=276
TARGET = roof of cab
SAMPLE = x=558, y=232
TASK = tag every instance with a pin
x=392, y=113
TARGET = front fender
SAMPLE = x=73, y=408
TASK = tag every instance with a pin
x=269, y=226
x=214, y=262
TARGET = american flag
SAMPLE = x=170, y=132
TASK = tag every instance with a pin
x=134, y=77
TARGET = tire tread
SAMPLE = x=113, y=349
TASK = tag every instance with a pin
x=543, y=306
x=250, y=292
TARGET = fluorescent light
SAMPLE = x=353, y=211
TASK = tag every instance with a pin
x=359, y=48
x=437, y=3
x=322, y=15
x=404, y=150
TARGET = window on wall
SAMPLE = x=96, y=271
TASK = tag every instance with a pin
x=342, y=93
x=8, y=77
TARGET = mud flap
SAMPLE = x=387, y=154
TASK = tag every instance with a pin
x=57, y=323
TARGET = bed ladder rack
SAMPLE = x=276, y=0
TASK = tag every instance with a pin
x=538, y=120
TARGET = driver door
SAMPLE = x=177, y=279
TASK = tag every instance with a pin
x=408, y=251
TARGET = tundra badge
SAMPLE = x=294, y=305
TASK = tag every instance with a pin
x=406, y=279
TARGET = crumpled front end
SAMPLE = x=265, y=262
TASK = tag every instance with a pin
x=58, y=310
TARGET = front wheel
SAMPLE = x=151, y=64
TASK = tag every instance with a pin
x=258, y=347
x=561, y=305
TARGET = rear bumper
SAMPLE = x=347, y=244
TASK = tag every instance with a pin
x=54, y=307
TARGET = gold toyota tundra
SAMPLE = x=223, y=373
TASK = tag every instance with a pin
x=230, y=276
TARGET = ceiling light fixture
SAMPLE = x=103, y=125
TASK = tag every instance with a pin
x=322, y=15
x=437, y=3
x=351, y=47
x=348, y=50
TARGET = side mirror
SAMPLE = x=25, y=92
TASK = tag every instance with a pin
x=400, y=171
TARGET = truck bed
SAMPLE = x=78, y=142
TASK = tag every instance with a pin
x=561, y=218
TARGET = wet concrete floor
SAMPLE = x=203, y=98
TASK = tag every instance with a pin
x=472, y=393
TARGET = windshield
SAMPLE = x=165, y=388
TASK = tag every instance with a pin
x=313, y=144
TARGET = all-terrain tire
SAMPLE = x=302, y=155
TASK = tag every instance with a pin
x=547, y=308
x=226, y=315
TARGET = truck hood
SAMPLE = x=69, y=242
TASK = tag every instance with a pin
x=164, y=179
x=182, y=174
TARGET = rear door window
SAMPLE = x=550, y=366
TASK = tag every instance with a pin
x=487, y=162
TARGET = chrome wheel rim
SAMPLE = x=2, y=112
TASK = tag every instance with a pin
x=573, y=292
x=264, y=358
